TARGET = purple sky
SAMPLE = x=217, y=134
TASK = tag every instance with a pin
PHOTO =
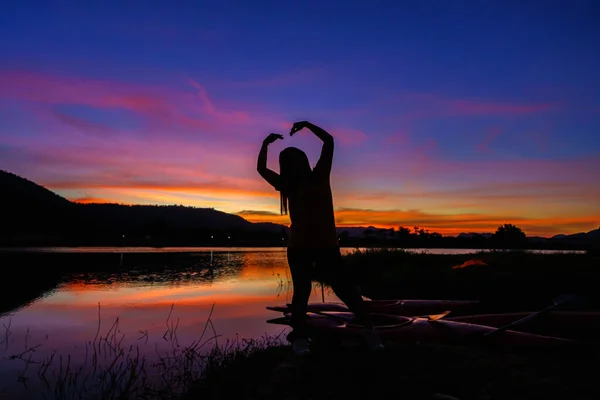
x=453, y=116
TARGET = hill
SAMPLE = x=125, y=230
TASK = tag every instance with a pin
x=21, y=192
x=34, y=215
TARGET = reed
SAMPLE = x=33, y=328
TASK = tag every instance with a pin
x=112, y=370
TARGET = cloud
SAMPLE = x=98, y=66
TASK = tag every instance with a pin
x=257, y=213
x=161, y=106
x=490, y=134
x=82, y=124
x=471, y=107
x=66, y=90
x=422, y=105
x=89, y=200
x=288, y=78
x=400, y=137
x=199, y=188
x=347, y=136
x=447, y=224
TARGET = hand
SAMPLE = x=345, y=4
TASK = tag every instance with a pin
x=298, y=126
x=272, y=137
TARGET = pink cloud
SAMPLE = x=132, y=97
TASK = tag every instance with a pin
x=400, y=137
x=287, y=78
x=411, y=173
x=61, y=90
x=81, y=123
x=161, y=106
x=470, y=107
x=188, y=111
x=422, y=105
x=490, y=134
x=481, y=192
x=348, y=136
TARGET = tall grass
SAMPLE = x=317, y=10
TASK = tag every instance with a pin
x=112, y=370
x=501, y=279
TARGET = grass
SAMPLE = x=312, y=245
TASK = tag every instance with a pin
x=426, y=371
x=502, y=281
x=112, y=370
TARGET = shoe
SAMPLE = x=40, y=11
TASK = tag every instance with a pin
x=300, y=347
x=372, y=340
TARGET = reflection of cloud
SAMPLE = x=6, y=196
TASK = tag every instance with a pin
x=70, y=315
x=470, y=263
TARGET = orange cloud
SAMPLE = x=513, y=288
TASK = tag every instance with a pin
x=448, y=224
x=88, y=200
x=200, y=188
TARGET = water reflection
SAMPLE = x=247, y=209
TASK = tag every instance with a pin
x=141, y=303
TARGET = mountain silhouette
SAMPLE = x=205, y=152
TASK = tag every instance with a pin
x=33, y=214
x=22, y=192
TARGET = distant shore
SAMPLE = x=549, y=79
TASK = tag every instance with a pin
x=238, y=247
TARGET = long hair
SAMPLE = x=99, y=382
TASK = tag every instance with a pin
x=294, y=168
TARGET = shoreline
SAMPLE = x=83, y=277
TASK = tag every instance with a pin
x=195, y=249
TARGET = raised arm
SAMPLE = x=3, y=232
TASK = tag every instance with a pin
x=326, y=159
x=269, y=175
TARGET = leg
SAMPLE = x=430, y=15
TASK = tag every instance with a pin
x=331, y=267
x=301, y=267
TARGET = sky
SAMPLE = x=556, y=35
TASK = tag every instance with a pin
x=452, y=116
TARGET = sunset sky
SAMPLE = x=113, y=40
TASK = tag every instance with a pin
x=449, y=115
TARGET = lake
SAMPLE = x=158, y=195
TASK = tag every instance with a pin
x=90, y=314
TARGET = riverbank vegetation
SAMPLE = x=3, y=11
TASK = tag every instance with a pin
x=501, y=280
x=414, y=371
x=115, y=368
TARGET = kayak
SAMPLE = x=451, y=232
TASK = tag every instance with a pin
x=579, y=325
x=400, y=307
x=405, y=329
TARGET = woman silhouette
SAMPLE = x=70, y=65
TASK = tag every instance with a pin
x=306, y=193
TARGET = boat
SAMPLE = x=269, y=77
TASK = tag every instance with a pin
x=408, y=308
x=405, y=329
x=578, y=325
